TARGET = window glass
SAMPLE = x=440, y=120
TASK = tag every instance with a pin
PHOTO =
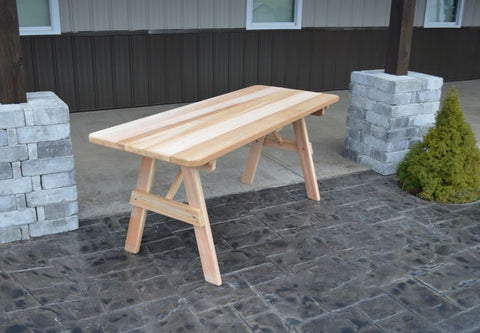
x=38, y=17
x=273, y=10
x=443, y=13
x=274, y=14
x=33, y=13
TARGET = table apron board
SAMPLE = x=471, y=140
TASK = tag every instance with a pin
x=186, y=136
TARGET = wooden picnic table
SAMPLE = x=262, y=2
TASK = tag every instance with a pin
x=195, y=135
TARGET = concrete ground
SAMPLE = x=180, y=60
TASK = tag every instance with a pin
x=368, y=258
x=105, y=177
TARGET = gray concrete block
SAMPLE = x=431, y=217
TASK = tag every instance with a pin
x=429, y=82
x=378, y=119
x=11, y=116
x=21, y=201
x=356, y=113
x=5, y=171
x=49, y=227
x=12, y=137
x=45, y=100
x=13, y=153
x=51, y=115
x=17, y=217
x=357, y=146
x=7, y=203
x=428, y=96
x=15, y=186
x=359, y=89
x=431, y=107
x=392, y=99
x=32, y=134
x=36, y=183
x=59, y=210
x=361, y=102
x=52, y=196
x=32, y=151
x=57, y=180
x=351, y=154
x=40, y=213
x=397, y=111
x=11, y=234
x=47, y=166
x=50, y=149
x=424, y=120
x=366, y=78
x=3, y=138
x=28, y=112
x=379, y=167
x=387, y=157
x=17, y=169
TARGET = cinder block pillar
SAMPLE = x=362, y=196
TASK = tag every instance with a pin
x=38, y=192
x=387, y=114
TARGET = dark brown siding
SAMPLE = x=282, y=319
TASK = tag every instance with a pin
x=93, y=72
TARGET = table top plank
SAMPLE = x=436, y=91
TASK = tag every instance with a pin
x=198, y=133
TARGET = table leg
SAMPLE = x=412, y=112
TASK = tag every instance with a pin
x=305, y=152
x=206, y=248
x=146, y=175
x=252, y=161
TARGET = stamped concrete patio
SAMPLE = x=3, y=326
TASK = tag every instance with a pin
x=367, y=258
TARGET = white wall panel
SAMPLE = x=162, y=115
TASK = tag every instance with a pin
x=104, y=15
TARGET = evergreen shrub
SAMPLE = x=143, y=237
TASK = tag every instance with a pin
x=445, y=166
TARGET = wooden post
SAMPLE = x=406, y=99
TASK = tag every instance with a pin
x=12, y=79
x=400, y=36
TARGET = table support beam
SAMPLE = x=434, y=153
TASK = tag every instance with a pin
x=206, y=247
x=252, y=160
x=305, y=152
x=146, y=175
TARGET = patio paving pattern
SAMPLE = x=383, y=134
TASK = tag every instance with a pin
x=367, y=258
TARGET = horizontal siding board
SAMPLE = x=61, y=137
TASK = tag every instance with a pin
x=84, y=70
x=44, y=62
x=157, y=69
x=140, y=72
x=28, y=65
x=279, y=47
x=122, y=80
x=103, y=72
x=265, y=56
x=173, y=68
x=190, y=68
x=205, y=70
x=64, y=58
x=235, y=61
x=123, y=70
x=221, y=58
x=318, y=58
x=122, y=15
x=250, y=59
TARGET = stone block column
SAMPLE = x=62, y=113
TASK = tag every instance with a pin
x=38, y=192
x=387, y=114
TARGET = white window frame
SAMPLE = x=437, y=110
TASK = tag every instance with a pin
x=456, y=24
x=53, y=29
x=296, y=24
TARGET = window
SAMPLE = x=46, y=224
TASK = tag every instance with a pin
x=38, y=17
x=274, y=14
x=443, y=14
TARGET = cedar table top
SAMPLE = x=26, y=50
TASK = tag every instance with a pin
x=198, y=133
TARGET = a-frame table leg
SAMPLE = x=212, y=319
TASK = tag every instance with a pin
x=146, y=175
x=206, y=247
x=305, y=151
x=252, y=161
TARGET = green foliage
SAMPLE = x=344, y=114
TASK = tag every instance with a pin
x=445, y=166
